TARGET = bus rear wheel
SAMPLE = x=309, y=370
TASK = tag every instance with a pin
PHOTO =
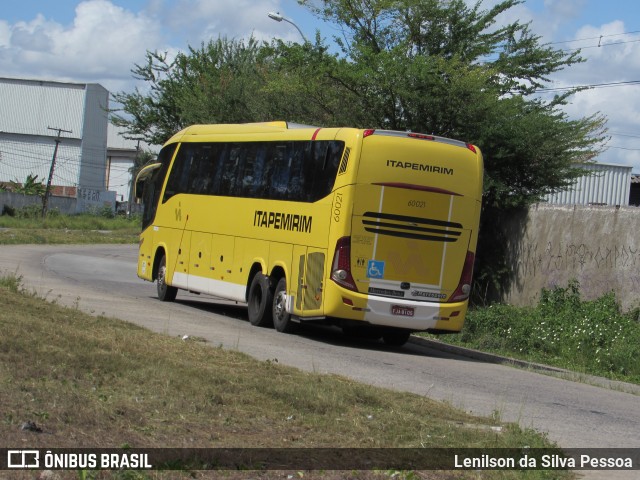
x=260, y=300
x=166, y=293
x=395, y=337
x=281, y=317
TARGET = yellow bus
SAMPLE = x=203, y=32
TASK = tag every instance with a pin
x=358, y=228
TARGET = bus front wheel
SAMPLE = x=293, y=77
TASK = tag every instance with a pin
x=281, y=318
x=260, y=299
x=166, y=293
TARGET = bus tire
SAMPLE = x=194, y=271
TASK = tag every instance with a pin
x=281, y=318
x=166, y=293
x=260, y=300
x=395, y=337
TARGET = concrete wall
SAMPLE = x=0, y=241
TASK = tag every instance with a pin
x=87, y=201
x=65, y=205
x=598, y=246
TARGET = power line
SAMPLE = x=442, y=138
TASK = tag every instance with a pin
x=599, y=45
x=593, y=85
x=624, y=135
x=625, y=148
x=598, y=37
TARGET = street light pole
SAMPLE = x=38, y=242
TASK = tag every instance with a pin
x=279, y=18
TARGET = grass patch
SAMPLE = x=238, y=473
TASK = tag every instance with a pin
x=68, y=229
x=101, y=382
x=592, y=337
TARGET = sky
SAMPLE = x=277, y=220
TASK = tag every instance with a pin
x=100, y=41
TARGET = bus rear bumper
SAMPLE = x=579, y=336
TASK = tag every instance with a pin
x=415, y=315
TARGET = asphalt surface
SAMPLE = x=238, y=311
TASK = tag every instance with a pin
x=589, y=413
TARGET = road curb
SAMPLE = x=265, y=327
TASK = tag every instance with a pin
x=538, y=367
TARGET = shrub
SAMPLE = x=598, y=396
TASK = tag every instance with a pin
x=591, y=336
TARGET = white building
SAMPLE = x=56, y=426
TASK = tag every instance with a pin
x=93, y=159
x=33, y=113
x=121, y=154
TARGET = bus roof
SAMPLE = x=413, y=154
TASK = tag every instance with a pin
x=228, y=128
x=279, y=126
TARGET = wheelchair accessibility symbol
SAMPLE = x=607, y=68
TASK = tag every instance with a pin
x=375, y=269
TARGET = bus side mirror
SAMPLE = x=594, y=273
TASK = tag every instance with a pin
x=139, y=189
x=142, y=177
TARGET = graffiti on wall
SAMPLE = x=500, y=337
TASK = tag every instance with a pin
x=598, y=268
x=599, y=247
x=575, y=258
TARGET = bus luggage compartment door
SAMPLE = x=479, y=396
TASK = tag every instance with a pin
x=310, y=265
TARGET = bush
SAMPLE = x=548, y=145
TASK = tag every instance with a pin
x=29, y=211
x=106, y=211
x=590, y=336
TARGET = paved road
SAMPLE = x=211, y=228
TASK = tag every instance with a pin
x=102, y=280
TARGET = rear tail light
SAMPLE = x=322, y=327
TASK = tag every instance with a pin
x=341, y=267
x=464, y=286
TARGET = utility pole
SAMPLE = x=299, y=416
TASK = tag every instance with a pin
x=45, y=199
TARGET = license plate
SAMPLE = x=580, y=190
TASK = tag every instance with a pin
x=402, y=311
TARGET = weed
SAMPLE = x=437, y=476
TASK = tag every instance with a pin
x=592, y=337
x=11, y=281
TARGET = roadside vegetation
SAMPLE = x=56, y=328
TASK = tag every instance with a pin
x=26, y=225
x=97, y=381
x=591, y=337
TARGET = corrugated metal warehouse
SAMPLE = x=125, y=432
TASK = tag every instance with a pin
x=32, y=112
x=606, y=184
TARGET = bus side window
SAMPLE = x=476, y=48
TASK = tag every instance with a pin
x=253, y=165
x=296, y=171
x=279, y=181
x=218, y=160
x=229, y=172
x=201, y=171
x=323, y=169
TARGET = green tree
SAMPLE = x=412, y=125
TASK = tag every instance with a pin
x=220, y=82
x=431, y=66
x=446, y=68
x=234, y=81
